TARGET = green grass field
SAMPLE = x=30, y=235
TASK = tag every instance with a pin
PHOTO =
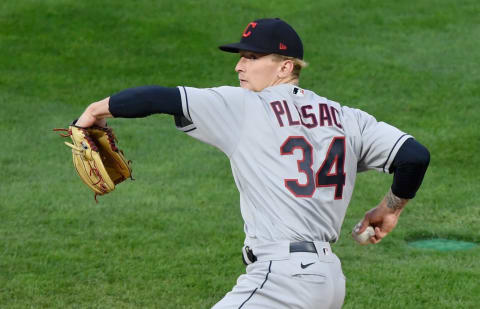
x=171, y=238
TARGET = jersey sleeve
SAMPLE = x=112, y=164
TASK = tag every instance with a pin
x=213, y=115
x=379, y=142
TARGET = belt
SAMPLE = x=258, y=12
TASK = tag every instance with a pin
x=301, y=246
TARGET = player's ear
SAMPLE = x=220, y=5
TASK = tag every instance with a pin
x=286, y=68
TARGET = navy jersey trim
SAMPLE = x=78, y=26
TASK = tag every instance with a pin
x=182, y=123
x=266, y=278
x=186, y=102
x=391, y=151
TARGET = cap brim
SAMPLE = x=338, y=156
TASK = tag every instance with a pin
x=236, y=47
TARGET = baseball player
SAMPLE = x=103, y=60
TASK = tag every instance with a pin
x=294, y=156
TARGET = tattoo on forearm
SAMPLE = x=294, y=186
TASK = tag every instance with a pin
x=394, y=202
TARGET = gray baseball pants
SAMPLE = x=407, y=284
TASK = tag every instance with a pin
x=280, y=279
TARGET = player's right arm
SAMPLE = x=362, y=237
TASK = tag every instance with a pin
x=408, y=167
x=387, y=149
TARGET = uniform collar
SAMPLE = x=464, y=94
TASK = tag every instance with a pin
x=290, y=89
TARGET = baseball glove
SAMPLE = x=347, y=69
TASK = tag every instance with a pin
x=97, y=159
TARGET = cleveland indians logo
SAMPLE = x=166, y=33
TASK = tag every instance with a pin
x=248, y=29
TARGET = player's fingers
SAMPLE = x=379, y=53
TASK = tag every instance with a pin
x=361, y=226
x=379, y=234
x=375, y=240
x=86, y=120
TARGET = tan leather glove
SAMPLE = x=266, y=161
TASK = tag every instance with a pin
x=97, y=159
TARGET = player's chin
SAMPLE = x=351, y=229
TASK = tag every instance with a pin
x=247, y=85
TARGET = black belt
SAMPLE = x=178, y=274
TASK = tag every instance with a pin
x=300, y=246
x=303, y=246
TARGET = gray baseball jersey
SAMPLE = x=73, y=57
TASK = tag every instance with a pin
x=294, y=155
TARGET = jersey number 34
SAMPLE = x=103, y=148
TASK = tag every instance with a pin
x=330, y=174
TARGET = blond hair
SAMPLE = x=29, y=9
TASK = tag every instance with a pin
x=298, y=64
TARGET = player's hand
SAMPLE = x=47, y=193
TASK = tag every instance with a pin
x=95, y=114
x=382, y=220
x=384, y=217
x=86, y=120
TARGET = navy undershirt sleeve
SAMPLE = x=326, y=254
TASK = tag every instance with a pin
x=144, y=101
x=409, y=167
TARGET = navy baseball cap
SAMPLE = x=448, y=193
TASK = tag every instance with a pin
x=268, y=36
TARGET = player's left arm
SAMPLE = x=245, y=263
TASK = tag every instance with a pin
x=409, y=167
x=136, y=102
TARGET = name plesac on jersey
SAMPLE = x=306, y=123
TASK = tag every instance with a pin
x=309, y=116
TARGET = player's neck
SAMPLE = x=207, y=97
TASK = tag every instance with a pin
x=287, y=80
